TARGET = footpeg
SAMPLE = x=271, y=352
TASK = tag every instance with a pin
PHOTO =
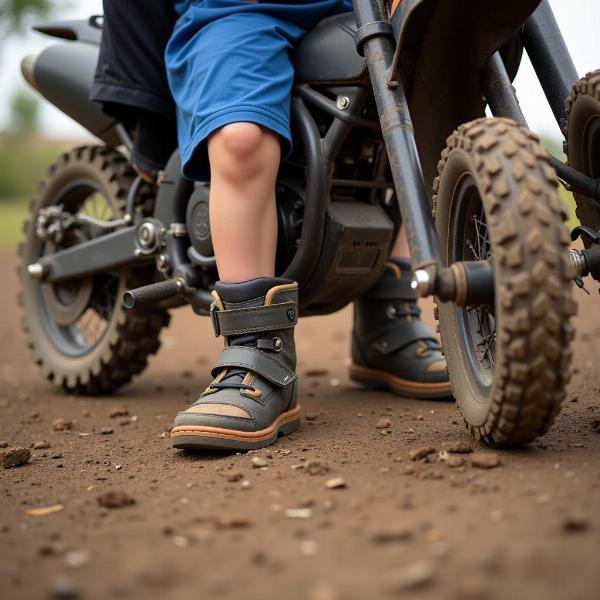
x=153, y=293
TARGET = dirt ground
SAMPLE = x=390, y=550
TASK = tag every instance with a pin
x=220, y=526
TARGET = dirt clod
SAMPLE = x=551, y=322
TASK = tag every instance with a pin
x=41, y=445
x=420, y=453
x=383, y=423
x=15, y=457
x=485, y=460
x=316, y=467
x=118, y=412
x=412, y=577
x=575, y=523
x=459, y=447
x=62, y=425
x=390, y=535
x=115, y=499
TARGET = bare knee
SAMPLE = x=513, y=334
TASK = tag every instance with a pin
x=240, y=140
x=240, y=150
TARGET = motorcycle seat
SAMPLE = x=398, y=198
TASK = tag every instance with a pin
x=327, y=54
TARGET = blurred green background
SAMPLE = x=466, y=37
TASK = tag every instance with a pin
x=26, y=150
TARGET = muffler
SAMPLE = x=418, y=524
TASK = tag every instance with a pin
x=64, y=74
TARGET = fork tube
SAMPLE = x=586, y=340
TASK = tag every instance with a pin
x=550, y=58
x=397, y=130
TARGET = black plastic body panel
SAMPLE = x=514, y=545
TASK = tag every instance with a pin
x=327, y=54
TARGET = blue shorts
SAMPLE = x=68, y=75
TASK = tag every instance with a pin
x=229, y=61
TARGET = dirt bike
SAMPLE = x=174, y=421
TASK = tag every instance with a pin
x=389, y=127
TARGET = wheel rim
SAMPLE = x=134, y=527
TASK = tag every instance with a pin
x=477, y=324
x=77, y=313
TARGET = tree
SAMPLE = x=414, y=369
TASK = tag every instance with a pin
x=24, y=111
x=14, y=14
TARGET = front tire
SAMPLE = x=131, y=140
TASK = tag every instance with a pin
x=496, y=199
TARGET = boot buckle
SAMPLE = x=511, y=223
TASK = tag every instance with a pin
x=214, y=317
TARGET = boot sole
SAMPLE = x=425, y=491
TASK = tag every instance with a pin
x=197, y=437
x=374, y=379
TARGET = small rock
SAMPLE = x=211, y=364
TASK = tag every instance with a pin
x=4, y=444
x=450, y=460
x=106, y=430
x=65, y=588
x=311, y=416
x=316, y=467
x=233, y=477
x=383, y=423
x=77, y=558
x=416, y=576
x=298, y=513
x=234, y=522
x=419, y=453
x=575, y=523
x=62, y=425
x=41, y=445
x=391, y=535
x=575, y=398
x=336, y=483
x=56, y=455
x=485, y=460
x=115, y=499
x=118, y=412
x=259, y=462
x=457, y=447
x=15, y=457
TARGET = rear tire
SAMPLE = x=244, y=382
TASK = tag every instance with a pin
x=496, y=199
x=582, y=147
x=53, y=315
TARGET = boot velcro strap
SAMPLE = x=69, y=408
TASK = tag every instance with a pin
x=251, y=359
x=402, y=335
x=239, y=321
x=392, y=288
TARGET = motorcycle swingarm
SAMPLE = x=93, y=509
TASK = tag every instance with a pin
x=105, y=253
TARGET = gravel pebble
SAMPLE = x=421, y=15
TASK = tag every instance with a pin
x=419, y=453
x=118, y=412
x=65, y=588
x=41, y=445
x=15, y=457
x=62, y=425
x=106, y=430
x=383, y=423
x=415, y=576
x=389, y=535
x=259, y=462
x=336, y=483
x=485, y=460
x=4, y=444
x=311, y=416
x=316, y=467
x=115, y=499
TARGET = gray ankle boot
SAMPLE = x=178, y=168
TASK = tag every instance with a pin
x=392, y=348
x=253, y=397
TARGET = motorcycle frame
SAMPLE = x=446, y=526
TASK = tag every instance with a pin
x=544, y=44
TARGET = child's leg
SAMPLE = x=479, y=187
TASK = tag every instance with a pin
x=244, y=160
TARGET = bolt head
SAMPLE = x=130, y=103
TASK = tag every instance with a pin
x=343, y=102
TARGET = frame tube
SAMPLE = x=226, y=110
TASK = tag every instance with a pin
x=399, y=139
x=550, y=57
